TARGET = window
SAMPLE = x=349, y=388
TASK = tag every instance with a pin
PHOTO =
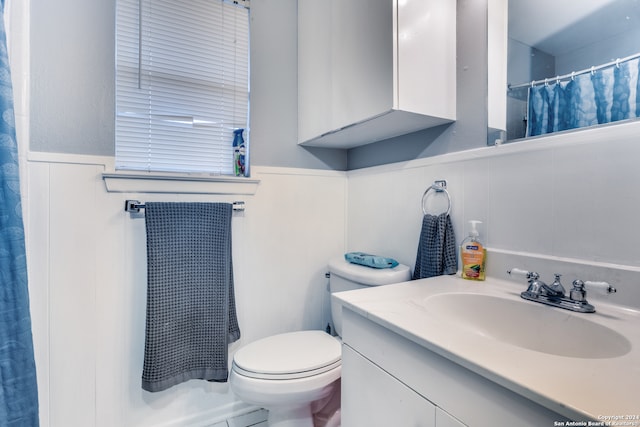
x=182, y=84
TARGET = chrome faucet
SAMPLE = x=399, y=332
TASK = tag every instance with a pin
x=554, y=294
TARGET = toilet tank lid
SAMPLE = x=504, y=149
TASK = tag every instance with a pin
x=368, y=276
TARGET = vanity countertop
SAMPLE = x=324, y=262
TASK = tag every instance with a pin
x=580, y=388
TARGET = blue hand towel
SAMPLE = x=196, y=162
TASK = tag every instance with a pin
x=368, y=260
x=436, y=249
x=191, y=315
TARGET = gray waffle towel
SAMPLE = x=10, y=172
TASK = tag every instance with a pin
x=437, y=248
x=191, y=315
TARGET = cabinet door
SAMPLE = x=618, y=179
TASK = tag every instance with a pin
x=314, y=68
x=444, y=419
x=371, y=397
x=427, y=57
x=362, y=61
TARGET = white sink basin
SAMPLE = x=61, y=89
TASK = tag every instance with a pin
x=528, y=325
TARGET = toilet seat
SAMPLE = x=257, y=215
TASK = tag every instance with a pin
x=289, y=356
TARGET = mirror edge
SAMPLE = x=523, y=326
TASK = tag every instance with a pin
x=497, y=38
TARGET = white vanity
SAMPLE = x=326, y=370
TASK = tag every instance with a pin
x=449, y=352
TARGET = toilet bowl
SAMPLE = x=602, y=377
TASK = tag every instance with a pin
x=291, y=374
x=285, y=373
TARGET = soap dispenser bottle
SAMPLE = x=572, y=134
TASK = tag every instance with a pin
x=473, y=254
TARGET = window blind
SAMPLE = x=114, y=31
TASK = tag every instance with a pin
x=182, y=84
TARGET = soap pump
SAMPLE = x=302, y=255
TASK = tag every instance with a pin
x=473, y=254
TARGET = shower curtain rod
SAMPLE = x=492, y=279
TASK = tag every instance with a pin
x=574, y=73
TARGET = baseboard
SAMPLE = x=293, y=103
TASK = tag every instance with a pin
x=214, y=416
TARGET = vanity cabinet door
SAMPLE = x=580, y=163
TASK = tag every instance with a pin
x=444, y=419
x=371, y=397
x=470, y=398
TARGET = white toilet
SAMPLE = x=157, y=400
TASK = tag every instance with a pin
x=289, y=374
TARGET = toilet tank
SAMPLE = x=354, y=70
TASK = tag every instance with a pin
x=345, y=276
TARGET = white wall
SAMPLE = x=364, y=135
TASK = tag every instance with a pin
x=561, y=204
x=87, y=265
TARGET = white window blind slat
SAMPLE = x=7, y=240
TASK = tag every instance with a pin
x=182, y=84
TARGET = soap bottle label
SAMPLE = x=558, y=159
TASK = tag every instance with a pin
x=473, y=260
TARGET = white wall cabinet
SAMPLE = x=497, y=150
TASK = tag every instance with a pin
x=393, y=376
x=374, y=69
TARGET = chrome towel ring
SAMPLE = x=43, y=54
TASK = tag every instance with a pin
x=437, y=187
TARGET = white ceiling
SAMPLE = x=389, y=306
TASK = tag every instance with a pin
x=557, y=26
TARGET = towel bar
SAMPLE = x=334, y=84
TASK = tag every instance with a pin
x=134, y=206
x=439, y=187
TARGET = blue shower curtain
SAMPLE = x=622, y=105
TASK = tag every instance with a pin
x=18, y=388
x=603, y=96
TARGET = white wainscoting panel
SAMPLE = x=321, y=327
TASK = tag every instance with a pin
x=555, y=203
x=87, y=265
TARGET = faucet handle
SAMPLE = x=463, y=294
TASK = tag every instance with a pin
x=578, y=293
x=600, y=286
x=521, y=272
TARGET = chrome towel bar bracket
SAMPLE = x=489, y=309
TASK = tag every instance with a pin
x=134, y=206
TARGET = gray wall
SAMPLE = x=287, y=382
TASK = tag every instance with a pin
x=274, y=91
x=72, y=76
x=72, y=87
